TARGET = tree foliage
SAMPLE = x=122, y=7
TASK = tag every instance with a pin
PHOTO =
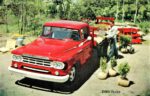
x=24, y=11
x=1, y=2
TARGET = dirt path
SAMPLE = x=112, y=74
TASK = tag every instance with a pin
x=139, y=73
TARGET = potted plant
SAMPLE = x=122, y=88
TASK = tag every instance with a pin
x=123, y=69
x=113, y=63
x=103, y=66
x=125, y=41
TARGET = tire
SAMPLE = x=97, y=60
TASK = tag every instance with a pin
x=73, y=83
x=74, y=74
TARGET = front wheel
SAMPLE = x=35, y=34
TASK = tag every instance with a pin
x=74, y=78
x=72, y=74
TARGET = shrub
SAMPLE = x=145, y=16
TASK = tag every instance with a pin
x=145, y=26
x=125, y=39
x=123, y=69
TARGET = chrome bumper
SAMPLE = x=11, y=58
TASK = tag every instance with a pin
x=46, y=77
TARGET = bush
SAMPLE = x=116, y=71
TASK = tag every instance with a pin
x=103, y=64
x=125, y=39
x=123, y=69
x=145, y=26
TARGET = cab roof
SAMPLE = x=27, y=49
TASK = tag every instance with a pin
x=67, y=24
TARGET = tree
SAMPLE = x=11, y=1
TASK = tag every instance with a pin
x=123, y=11
x=1, y=2
x=89, y=13
x=22, y=12
x=136, y=11
x=74, y=13
x=117, y=12
x=52, y=10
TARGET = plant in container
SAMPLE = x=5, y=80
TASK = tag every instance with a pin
x=113, y=63
x=123, y=69
x=102, y=74
x=125, y=45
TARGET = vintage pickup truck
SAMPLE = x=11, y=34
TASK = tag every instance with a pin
x=58, y=54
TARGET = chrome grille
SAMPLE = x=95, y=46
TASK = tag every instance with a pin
x=36, y=60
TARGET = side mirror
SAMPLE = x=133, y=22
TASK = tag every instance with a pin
x=89, y=38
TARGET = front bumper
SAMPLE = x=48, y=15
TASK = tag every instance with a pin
x=46, y=77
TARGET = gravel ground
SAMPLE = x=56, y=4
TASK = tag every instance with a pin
x=139, y=74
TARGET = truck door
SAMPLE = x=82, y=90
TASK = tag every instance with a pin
x=87, y=46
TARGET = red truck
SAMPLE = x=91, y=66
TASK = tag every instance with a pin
x=57, y=55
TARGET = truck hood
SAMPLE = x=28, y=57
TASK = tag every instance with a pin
x=51, y=48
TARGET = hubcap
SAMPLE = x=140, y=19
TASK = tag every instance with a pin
x=72, y=73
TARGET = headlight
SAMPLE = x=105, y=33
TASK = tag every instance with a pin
x=17, y=58
x=57, y=65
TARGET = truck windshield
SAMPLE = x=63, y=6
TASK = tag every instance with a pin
x=60, y=33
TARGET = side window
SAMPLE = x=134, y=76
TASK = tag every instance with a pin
x=75, y=35
x=84, y=33
x=47, y=31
